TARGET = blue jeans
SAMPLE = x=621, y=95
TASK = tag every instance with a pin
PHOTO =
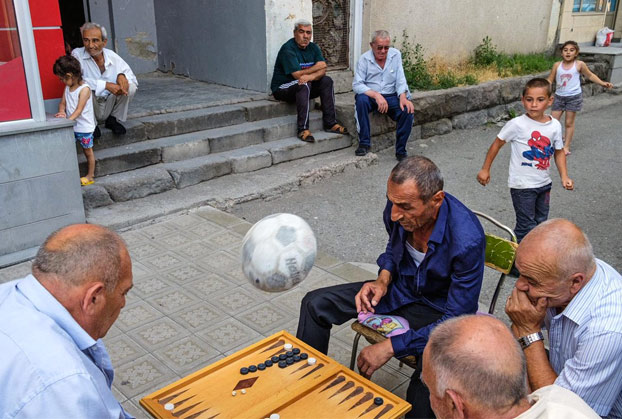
x=531, y=207
x=364, y=105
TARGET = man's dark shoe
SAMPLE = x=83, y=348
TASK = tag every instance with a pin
x=401, y=157
x=362, y=150
x=97, y=133
x=114, y=126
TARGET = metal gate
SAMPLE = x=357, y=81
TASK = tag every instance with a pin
x=331, y=20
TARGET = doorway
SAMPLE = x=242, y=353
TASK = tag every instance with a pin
x=331, y=19
x=72, y=16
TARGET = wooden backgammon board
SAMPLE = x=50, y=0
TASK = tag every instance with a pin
x=278, y=377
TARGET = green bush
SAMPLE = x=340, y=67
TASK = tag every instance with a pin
x=470, y=79
x=485, y=53
x=419, y=77
x=415, y=66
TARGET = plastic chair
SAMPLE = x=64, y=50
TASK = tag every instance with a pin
x=500, y=255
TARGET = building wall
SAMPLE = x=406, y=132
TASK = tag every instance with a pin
x=131, y=29
x=220, y=41
x=452, y=29
x=582, y=27
x=39, y=187
x=280, y=18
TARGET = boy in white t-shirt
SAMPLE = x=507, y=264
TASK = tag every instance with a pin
x=535, y=138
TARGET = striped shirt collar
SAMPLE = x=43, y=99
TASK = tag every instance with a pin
x=578, y=310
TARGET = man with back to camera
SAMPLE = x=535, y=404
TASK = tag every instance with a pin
x=300, y=75
x=54, y=363
x=474, y=368
x=380, y=85
x=109, y=77
x=432, y=270
x=579, y=300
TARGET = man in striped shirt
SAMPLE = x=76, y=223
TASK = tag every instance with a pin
x=578, y=298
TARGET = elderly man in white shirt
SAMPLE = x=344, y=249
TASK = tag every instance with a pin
x=380, y=85
x=109, y=77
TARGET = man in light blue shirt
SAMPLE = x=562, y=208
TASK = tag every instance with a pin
x=53, y=363
x=579, y=299
x=380, y=85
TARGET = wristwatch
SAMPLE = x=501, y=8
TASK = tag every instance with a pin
x=525, y=341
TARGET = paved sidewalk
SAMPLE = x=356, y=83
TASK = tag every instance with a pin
x=191, y=305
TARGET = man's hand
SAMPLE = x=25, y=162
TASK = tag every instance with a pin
x=383, y=106
x=483, y=177
x=305, y=78
x=125, y=85
x=373, y=357
x=568, y=184
x=526, y=316
x=407, y=104
x=60, y=115
x=369, y=295
x=113, y=88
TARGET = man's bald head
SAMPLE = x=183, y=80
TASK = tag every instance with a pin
x=560, y=246
x=81, y=253
x=478, y=357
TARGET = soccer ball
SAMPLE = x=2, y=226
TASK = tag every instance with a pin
x=278, y=252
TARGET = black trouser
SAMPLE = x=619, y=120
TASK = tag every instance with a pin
x=322, y=308
x=302, y=93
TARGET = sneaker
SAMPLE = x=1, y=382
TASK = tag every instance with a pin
x=401, y=157
x=362, y=150
x=97, y=133
x=114, y=126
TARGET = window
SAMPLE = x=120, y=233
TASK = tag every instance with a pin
x=14, y=101
x=594, y=6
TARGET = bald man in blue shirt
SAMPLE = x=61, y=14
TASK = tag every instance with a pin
x=54, y=363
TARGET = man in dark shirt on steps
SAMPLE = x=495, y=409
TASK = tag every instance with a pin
x=300, y=75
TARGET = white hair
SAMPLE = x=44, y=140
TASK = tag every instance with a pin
x=302, y=22
x=92, y=25
x=380, y=34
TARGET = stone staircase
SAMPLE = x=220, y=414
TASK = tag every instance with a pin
x=176, y=150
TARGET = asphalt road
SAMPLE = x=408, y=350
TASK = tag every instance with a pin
x=345, y=210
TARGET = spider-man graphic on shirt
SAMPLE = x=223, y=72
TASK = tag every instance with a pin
x=541, y=151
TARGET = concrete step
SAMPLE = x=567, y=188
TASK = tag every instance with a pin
x=175, y=123
x=226, y=191
x=199, y=143
x=162, y=177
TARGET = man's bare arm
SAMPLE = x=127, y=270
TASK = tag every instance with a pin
x=320, y=65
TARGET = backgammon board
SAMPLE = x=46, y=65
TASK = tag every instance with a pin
x=278, y=377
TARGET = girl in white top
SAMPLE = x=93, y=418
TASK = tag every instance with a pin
x=77, y=103
x=568, y=96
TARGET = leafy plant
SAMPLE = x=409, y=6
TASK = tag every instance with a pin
x=512, y=113
x=485, y=53
x=470, y=79
x=415, y=66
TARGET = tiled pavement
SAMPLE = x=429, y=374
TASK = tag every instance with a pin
x=191, y=305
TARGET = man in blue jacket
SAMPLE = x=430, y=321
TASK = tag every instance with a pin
x=432, y=270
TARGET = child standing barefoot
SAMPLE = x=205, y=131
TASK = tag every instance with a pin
x=77, y=103
x=568, y=96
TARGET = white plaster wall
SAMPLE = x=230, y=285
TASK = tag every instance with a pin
x=452, y=29
x=280, y=18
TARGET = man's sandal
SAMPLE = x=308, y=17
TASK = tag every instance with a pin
x=337, y=129
x=85, y=181
x=305, y=135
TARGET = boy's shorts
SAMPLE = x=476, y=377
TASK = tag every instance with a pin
x=568, y=103
x=84, y=138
